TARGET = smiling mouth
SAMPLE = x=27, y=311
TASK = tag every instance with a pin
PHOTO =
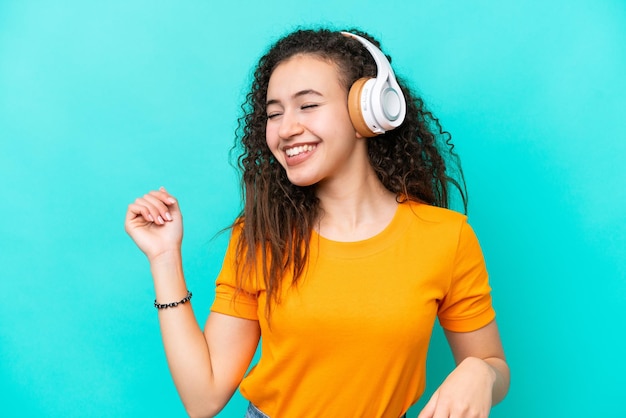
x=292, y=152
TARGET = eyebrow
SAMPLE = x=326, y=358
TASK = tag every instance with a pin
x=296, y=95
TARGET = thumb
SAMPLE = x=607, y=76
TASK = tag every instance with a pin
x=429, y=409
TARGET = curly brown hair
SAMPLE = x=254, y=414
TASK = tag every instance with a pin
x=416, y=161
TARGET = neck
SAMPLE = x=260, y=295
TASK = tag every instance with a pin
x=355, y=211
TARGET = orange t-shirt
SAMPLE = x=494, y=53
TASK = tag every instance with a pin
x=350, y=340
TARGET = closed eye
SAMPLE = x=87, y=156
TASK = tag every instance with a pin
x=309, y=106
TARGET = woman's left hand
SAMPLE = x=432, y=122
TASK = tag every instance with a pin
x=466, y=392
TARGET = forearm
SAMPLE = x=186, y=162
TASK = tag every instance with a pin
x=482, y=354
x=185, y=347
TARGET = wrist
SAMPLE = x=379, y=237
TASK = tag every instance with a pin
x=164, y=258
x=490, y=371
x=167, y=274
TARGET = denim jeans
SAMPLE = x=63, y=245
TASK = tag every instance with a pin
x=254, y=412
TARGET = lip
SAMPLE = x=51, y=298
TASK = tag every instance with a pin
x=298, y=159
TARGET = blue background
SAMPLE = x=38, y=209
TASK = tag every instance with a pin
x=102, y=101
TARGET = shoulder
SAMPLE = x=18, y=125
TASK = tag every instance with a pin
x=434, y=226
x=432, y=214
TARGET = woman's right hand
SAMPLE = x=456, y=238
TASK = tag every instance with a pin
x=155, y=223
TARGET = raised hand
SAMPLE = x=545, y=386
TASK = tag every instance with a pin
x=155, y=223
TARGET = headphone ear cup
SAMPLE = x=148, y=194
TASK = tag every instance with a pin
x=354, y=108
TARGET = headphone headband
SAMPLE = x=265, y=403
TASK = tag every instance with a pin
x=382, y=64
x=376, y=105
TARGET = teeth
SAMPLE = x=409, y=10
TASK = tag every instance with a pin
x=292, y=152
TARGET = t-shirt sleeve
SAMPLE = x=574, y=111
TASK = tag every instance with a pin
x=467, y=305
x=229, y=300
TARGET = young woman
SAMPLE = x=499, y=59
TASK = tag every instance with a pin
x=342, y=258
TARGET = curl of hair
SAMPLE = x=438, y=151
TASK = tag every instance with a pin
x=416, y=161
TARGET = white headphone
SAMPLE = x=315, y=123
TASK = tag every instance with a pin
x=376, y=105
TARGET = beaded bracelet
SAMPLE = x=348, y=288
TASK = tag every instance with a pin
x=173, y=304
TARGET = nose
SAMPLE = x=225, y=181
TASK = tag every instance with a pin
x=290, y=125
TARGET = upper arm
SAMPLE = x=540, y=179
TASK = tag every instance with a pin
x=232, y=342
x=483, y=343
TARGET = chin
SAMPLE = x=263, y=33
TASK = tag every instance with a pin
x=302, y=182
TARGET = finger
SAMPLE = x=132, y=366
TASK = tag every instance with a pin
x=162, y=214
x=164, y=195
x=429, y=408
x=136, y=209
x=171, y=204
x=153, y=209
